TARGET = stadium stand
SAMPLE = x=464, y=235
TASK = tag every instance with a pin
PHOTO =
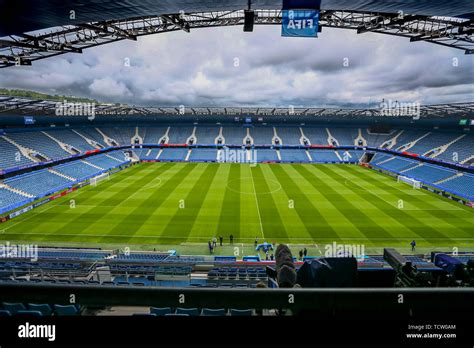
x=460, y=185
x=149, y=154
x=290, y=155
x=375, y=139
x=266, y=155
x=459, y=151
x=10, y=200
x=429, y=173
x=316, y=136
x=344, y=136
x=321, y=156
x=262, y=135
x=179, y=135
x=92, y=134
x=234, y=135
x=289, y=135
x=77, y=170
x=104, y=161
x=397, y=164
x=152, y=135
x=69, y=137
x=173, y=154
x=39, y=184
x=408, y=136
x=11, y=156
x=431, y=141
x=206, y=135
x=123, y=135
x=39, y=142
x=203, y=155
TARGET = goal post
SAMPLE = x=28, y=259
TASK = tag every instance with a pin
x=410, y=181
x=99, y=178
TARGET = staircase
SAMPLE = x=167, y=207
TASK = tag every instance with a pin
x=165, y=137
x=70, y=178
x=441, y=149
x=17, y=191
x=413, y=143
x=89, y=141
x=331, y=139
x=457, y=175
x=108, y=140
x=276, y=137
x=304, y=137
x=25, y=151
x=188, y=154
x=92, y=165
x=392, y=142
x=360, y=137
x=66, y=147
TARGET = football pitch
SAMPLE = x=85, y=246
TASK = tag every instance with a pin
x=186, y=204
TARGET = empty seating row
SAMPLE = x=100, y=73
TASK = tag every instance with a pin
x=39, y=183
x=429, y=173
x=11, y=156
x=167, y=311
x=38, y=310
x=460, y=185
x=78, y=170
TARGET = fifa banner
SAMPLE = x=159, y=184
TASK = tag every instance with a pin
x=300, y=23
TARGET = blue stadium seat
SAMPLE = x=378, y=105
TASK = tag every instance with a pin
x=241, y=312
x=44, y=309
x=27, y=313
x=13, y=308
x=188, y=311
x=160, y=311
x=66, y=310
x=213, y=312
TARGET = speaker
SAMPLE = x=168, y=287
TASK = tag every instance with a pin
x=249, y=16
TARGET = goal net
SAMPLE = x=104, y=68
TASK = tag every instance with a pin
x=99, y=178
x=410, y=181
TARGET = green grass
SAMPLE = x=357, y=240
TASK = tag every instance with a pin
x=183, y=205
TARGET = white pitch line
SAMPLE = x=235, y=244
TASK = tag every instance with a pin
x=258, y=208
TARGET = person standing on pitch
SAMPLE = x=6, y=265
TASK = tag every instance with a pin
x=221, y=239
x=231, y=237
x=413, y=245
x=214, y=242
x=305, y=252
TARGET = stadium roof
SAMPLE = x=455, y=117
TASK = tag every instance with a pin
x=10, y=105
x=37, y=32
x=22, y=16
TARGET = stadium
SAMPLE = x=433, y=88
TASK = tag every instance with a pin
x=128, y=206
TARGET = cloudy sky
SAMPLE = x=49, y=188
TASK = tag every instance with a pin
x=227, y=67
